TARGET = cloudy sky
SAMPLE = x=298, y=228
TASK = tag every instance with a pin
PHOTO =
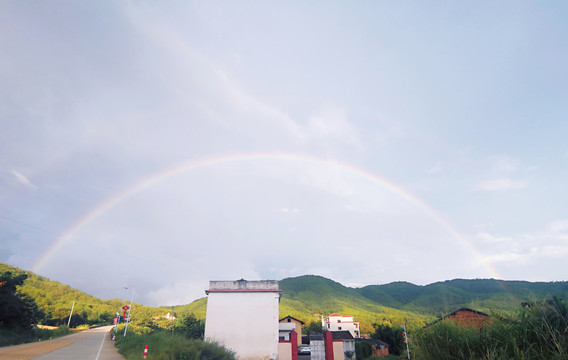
x=160, y=145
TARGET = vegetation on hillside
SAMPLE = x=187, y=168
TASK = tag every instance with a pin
x=309, y=297
x=538, y=330
x=54, y=301
x=443, y=297
x=378, y=308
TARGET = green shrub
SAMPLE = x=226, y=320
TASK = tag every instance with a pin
x=364, y=350
x=166, y=346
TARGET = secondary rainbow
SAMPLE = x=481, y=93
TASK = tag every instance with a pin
x=213, y=161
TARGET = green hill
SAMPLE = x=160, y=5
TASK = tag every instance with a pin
x=309, y=297
x=55, y=301
x=482, y=294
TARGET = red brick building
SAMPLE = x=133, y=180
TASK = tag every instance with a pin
x=466, y=317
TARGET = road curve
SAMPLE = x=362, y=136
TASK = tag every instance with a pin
x=93, y=344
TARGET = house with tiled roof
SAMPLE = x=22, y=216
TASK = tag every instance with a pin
x=290, y=323
x=466, y=317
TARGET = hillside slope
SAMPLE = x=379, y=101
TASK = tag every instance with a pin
x=56, y=299
x=482, y=294
x=309, y=297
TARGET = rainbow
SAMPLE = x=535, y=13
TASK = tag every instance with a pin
x=109, y=203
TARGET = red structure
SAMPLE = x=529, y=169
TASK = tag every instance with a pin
x=294, y=341
x=466, y=317
x=328, y=340
x=293, y=344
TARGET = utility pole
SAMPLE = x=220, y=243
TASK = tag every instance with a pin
x=406, y=341
x=71, y=313
x=129, y=309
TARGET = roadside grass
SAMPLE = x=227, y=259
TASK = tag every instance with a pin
x=163, y=345
x=20, y=336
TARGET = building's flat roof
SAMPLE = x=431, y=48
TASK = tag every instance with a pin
x=243, y=285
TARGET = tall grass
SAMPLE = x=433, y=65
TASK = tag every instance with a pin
x=167, y=346
x=535, y=332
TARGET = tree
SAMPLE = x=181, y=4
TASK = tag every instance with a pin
x=392, y=336
x=16, y=310
x=314, y=326
x=190, y=327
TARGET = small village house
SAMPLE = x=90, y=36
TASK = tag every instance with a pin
x=336, y=322
x=466, y=317
x=292, y=323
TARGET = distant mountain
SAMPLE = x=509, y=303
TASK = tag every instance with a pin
x=482, y=294
x=309, y=297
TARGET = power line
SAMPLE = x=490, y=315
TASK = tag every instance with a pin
x=29, y=226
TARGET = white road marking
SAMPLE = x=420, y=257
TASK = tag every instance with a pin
x=101, y=347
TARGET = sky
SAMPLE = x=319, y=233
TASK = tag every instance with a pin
x=156, y=146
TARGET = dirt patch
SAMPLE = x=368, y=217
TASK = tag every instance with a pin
x=29, y=351
x=47, y=327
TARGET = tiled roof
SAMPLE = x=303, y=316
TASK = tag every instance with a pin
x=341, y=335
x=293, y=318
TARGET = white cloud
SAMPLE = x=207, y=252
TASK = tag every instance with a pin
x=23, y=180
x=436, y=168
x=558, y=227
x=504, y=164
x=178, y=293
x=540, y=246
x=330, y=123
x=499, y=185
x=492, y=238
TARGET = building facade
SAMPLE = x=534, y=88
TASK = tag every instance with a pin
x=336, y=322
x=289, y=322
x=243, y=316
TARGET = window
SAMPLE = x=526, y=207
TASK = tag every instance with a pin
x=339, y=328
x=289, y=320
x=339, y=321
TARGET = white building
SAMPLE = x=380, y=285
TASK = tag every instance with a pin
x=336, y=322
x=243, y=316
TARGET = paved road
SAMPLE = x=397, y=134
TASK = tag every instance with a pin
x=91, y=344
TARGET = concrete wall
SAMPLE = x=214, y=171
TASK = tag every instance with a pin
x=338, y=350
x=285, y=351
x=317, y=349
x=242, y=320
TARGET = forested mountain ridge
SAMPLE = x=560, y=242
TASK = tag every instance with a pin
x=55, y=300
x=308, y=297
x=483, y=294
